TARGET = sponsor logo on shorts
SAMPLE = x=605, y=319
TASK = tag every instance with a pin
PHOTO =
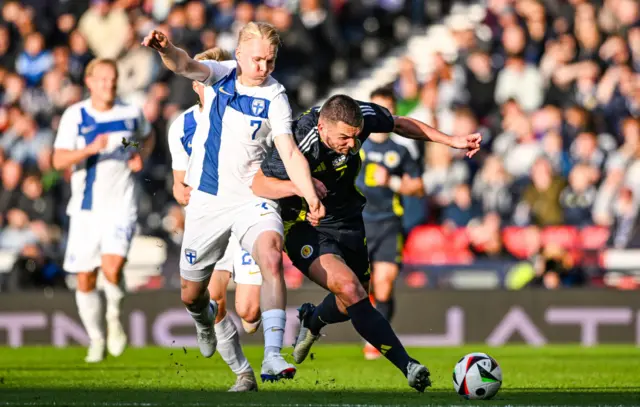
x=254, y=272
x=190, y=255
x=306, y=251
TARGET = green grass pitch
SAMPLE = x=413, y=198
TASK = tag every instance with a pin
x=337, y=376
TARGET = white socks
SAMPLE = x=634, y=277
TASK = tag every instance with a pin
x=204, y=317
x=90, y=310
x=114, y=294
x=229, y=346
x=273, y=323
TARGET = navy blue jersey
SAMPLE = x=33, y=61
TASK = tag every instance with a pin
x=338, y=172
x=382, y=202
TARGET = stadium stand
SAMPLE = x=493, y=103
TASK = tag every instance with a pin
x=554, y=86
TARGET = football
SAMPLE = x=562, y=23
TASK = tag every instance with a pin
x=477, y=376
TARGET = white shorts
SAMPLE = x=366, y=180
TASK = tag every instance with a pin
x=245, y=269
x=209, y=226
x=240, y=264
x=92, y=235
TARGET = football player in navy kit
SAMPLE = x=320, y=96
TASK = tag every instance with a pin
x=334, y=253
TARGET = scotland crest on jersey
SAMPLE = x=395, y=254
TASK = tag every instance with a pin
x=257, y=106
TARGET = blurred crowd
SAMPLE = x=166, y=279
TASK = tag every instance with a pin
x=45, y=46
x=553, y=85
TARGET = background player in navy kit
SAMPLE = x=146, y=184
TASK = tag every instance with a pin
x=334, y=254
x=388, y=172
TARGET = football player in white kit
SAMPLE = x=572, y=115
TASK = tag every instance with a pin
x=248, y=113
x=235, y=260
x=95, y=138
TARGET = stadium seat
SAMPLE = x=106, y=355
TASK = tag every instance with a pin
x=439, y=257
x=594, y=237
x=459, y=239
x=292, y=276
x=425, y=238
x=516, y=243
x=566, y=237
x=431, y=244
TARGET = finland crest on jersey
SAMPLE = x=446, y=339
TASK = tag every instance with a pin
x=228, y=148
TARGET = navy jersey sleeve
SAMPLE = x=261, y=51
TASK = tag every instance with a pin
x=272, y=166
x=377, y=119
x=410, y=166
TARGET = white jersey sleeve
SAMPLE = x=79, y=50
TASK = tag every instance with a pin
x=280, y=115
x=68, y=129
x=179, y=156
x=218, y=70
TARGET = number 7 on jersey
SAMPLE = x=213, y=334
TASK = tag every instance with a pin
x=257, y=124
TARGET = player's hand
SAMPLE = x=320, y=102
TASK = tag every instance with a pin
x=321, y=189
x=381, y=176
x=156, y=40
x=98, y=144
x=471, y=143
x=135, y=163
x=182, y=193
x=316, y=212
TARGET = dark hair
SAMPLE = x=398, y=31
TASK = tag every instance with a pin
x=342, y=108
x=385, y=93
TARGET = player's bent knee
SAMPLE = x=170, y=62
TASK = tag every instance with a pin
x=351, y=293
x=112, y=266
x=270, y=263
x=193, y=293
x=250, y=312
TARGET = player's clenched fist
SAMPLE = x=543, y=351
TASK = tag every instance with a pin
x=316, y=212
x=156, y=40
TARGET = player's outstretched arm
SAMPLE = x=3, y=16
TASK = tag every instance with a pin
x=176, y=59
x=298, y=170
x=417, y=130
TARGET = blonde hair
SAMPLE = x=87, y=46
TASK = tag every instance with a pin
x=100, y=61
x=259, y=30
x=213, y=54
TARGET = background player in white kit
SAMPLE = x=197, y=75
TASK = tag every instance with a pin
x=248, y=113
x=235, y=261
x=102, y=207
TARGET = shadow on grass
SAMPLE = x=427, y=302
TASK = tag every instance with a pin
x=279, y=395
